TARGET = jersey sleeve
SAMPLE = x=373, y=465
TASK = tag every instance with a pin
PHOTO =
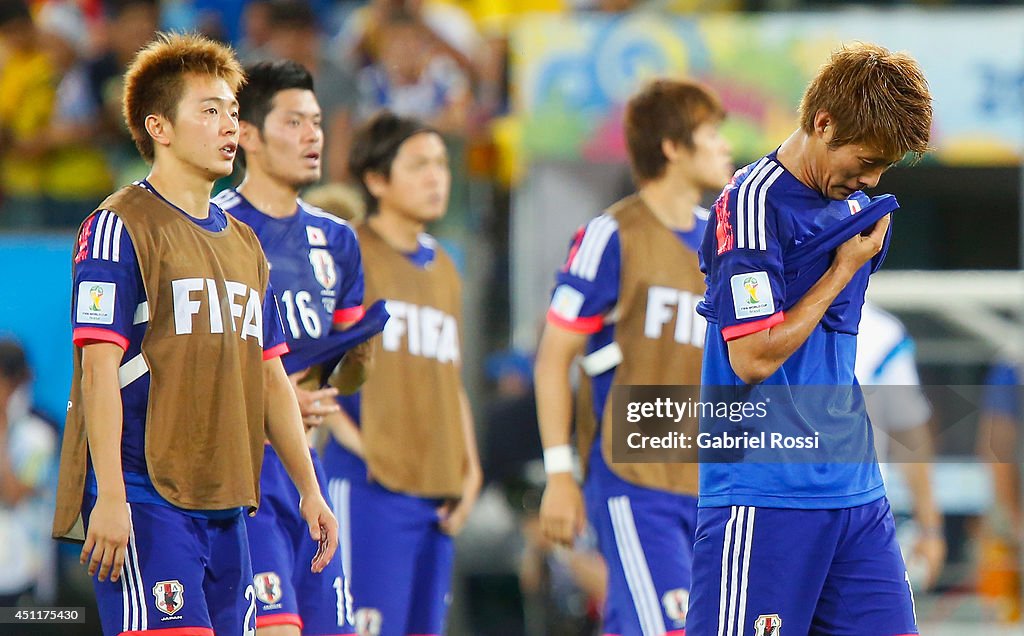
x=1002, y=391
x=349, y=307
x=107, y=288
x=587, y=286
x=274, y=343
x=746, y=286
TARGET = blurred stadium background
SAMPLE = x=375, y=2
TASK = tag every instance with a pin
x=529, y=93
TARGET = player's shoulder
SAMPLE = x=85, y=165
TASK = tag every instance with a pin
x=333, y=225
x=228, y=200
x=103, y=237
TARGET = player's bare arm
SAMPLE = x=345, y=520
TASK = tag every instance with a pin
x=285, y=431
x=758, y=355
x=109, y=524
x=345, y=432
x=454, y=516
x=561, y=510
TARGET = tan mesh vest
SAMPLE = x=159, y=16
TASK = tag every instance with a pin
x=653, y=258
x=204, y=423
x=410, y=410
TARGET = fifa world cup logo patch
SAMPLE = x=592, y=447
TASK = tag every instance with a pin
x=768, y=625
x=169, y=595
x=750, y=284
x=96, y=294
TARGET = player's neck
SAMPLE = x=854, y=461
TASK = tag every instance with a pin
x=398, y=231
x=797, y=156
x=671, y=202
x=182, y=188
x=269, y=196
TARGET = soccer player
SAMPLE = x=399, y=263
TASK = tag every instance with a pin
x=316, y=272
x=791, y=543
x=178, y=378
x=405, y=483
x=626, y=298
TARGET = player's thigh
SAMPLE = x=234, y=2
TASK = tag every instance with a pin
x=161, y=583
x=229, y=587
x=432, y=582
x=273, y=561
x=867, y=589
x=758, y=569
x=386, y=530
x=646, y=540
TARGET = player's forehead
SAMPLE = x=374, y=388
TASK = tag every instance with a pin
x=295, y=101
x=200, y=89
x=422, y=145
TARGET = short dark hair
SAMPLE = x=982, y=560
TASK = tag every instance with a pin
x=375, y=146
x=264, y=80
x=13, y=363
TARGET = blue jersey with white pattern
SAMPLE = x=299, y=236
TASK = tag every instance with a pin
x=118, y=313
x=587, y=287
x=315, y=267
x=762, y=218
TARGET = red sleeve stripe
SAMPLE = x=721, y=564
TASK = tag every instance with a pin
x=349, y=314
x=269, y=620
x=747, y=328
x=276, y=351
x=587, y=325
x=89, y=335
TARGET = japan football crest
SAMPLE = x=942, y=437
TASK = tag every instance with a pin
x=323, y=267
x=268, y=587
x=675, y=603
x=170, y=596
x=768, y=625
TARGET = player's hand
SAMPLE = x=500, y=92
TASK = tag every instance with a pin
x=931, y=548
x=323, y=528
x=562, y=516
x=314, y=405
x=106, y=542
x=860, y=249
x=452, y=516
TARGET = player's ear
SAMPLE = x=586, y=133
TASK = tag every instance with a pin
x=248, y=136
x=671, y=150
x=376, y=183
x=159, y=129
x=824, y=126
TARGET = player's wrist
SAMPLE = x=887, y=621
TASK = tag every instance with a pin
x=558, y=460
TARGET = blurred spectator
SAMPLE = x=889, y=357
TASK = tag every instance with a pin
x=1002, y=534
x=77, y=177
x=296, y=36
x=900, y=415
x=341, y=200
x=448, y=27
x=26, y=105
x=256, y=30
x=413, y=79
x=131, y=25
x=27, y=452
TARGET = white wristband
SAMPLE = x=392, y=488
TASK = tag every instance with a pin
x=558, y=459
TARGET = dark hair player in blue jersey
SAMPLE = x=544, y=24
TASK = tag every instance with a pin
x=804, y=543
x=317, y=273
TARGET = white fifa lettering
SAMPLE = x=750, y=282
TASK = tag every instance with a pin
x=252, y=324
x=184, y=306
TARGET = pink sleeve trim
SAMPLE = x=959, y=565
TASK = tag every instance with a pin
x=275, y=351
x=589, y=325
x=350, y=314
x=747, y=328
x=89, y=335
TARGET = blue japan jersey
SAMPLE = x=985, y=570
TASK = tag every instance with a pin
x=587, y=287
x=106, y=276
x=315, y=267
x=760, y=221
